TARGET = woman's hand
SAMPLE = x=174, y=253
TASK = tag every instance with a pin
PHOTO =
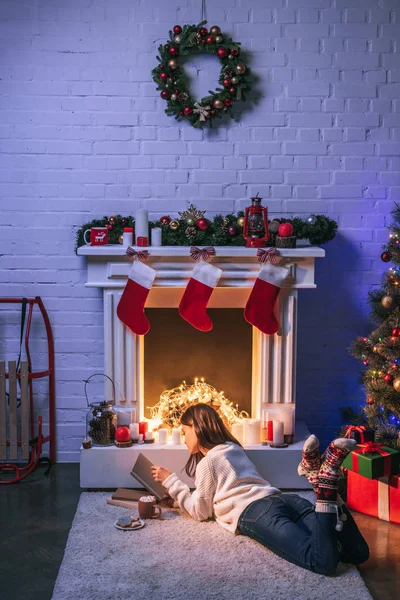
x=159, y=473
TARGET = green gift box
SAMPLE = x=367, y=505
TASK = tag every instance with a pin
x=373, y=460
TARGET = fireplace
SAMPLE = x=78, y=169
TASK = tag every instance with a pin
x=270, y=378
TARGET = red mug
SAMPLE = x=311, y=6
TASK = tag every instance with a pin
x=98, y=236
x=142, y=241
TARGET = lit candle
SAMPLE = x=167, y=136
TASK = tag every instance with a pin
x=252, y=431
x=162, y=436
x=237, y=432
x=176, y=435
x=142, y=223
x=149, y=435
x=143, y=427
x=278, y=433
x=156, y=236
x=141, y=440
x=286, y=415
x=134, y=429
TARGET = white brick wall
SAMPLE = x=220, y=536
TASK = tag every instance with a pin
x=83, y=133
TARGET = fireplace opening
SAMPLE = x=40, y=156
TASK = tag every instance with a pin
x=175, y=352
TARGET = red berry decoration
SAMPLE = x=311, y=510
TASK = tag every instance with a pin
x=123, y=434
x=227, y=82
x=203, y=31
x=211, y=39
x=222, y=52
x=228, y=102
x=177, y=29
x=187, y=110
x=285, y=230
x=164, y=76
x=203, y=224
x=165, y=220
x=388, y=378
x=165, y=94
x=174, y=51
x=386, y=256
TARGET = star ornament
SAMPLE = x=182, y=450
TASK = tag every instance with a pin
x=192, y=213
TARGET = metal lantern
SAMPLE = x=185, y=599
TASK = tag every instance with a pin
x=255, y=230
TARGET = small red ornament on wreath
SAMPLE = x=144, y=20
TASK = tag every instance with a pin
x=194, y=38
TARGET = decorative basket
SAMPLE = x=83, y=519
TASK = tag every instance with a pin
x=286, y=242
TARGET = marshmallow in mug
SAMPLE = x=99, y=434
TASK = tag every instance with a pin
x=148, y=499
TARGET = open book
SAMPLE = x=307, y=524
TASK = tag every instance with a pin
x=141, y=471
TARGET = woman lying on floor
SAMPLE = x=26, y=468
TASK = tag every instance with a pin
x=229, y=488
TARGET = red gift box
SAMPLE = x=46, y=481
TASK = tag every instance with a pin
x=375, y=497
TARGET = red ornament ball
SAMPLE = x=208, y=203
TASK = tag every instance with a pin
x=228, y=102
x=123, y=434
x=285, y=230
x=110, y=226
x=222, y=52
x=227, y=82
x=165, y=220
x=174, y=51
x=388, y=378
x=232, y=230
x=232, y=91
x=370, y=400
x=204, y=41
x=181, y=113
x=164, y=76
x=165, y=94
x=213, y=113
x=235, y=52
x=203, y=224
x=203, y=31
x=396, y=332
x=187, y=110
x=177, y=29
x=386, y=256
x=211, y=39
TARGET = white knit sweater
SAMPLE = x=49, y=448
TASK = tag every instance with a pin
x=226, y=482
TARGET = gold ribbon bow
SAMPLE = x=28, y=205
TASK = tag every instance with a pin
x=141, y=255
x=270, y=255
x=201, y=110
x=204, y=253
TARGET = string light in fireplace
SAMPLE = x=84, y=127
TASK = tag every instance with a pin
x=174, y=402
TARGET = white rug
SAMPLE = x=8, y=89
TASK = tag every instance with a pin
x=177, y=558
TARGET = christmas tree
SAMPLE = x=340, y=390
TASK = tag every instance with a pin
x=380, y=352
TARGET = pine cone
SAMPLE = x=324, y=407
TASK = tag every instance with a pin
x=190, y=233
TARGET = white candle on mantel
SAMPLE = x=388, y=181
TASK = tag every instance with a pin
x=142, y=223
x=149, y=435
x=286, y=415
x=252, y=431
x=162, y=436
x=278, y=433
x=156, y=236
x=237, y=431
x=134, y=429
x=176, y=435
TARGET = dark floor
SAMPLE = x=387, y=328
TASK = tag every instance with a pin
x=37, y=513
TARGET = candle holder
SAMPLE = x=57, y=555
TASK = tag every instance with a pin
x=127, y=444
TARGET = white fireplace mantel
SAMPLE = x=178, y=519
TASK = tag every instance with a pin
x=274, y=357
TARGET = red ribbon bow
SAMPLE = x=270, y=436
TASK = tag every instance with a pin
x=372, y=447
x=141, y=255
x=204, y=253
x=270, y=255
x=359, y=428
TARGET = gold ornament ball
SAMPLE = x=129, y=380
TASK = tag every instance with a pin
x=235, y=80
x=240, y=221
x=174, y=225
x=225, y=221
x=241, y=68
x=219, y=39
x=178, y=39
x=215, y=30
x=190, y=222
x=172, y=64
x=387, y=301
x=111, y=219
x=218, y=104
x=121, y=239
x=396, y=384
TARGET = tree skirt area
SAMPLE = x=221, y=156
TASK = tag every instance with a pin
x=176, y=558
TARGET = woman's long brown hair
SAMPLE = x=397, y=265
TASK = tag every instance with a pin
x=209, y=429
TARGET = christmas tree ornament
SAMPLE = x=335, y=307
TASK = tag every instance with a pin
x=191, y=233
x=165, y=94
x=388, y=378
x=228, y=102
x=222, y=52
x=174, y=51
x=273, y=227
x=387, y=301
x=210, y=39
x=174, y=97
x=192, y=213
x=240, y=222
x=241, y=69
x=396, y=384
x=215, y=30
x=259, y=309
x=122, y=434
x=232, y=230
x=311, y=220
x=163, y=76
x=190, y=222
x=255, y=230
x=174, y=225
x=386, y=256
x=165, y=220
x=203, y=31
x=369, y=400
x=120, y=239
x=218, y=104
x=172, y=63
x=396, y=332
x=219, y=39
x=285, y=230
x=177, y=29
x=203, y=224
x=111, y=220
x=187, y=110
x=235, y=52
x=177, y=39
x=235, y=80
x=193, y=304
x=110, y=226
x=225, y=221
x=130, y=309
x=226, y=82
x=376, y=348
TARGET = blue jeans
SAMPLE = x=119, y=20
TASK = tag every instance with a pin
x=289, y=526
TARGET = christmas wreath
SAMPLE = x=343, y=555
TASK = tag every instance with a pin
x=171, y=80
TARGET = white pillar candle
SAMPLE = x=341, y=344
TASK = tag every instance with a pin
x=142, y=223
x=286, y=415
x=140, y=439
x=134, y=429
x=278, y=433
x=237, y=432
x=176, y=435
x=149, y=435
x=162, y=436
x=252, y=431
x=156, y=236
x=125, y=416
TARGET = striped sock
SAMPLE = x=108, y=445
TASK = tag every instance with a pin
x=328, y=476
x=311, y=461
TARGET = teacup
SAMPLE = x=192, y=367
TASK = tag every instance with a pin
x=147, y=508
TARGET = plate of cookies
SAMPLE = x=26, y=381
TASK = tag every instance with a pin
x=129, y=523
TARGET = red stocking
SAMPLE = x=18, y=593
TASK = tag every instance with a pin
x=259, y=310
x=198, y=291
x=130, y=308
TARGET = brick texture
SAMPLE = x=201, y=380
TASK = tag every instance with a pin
x=83, y=134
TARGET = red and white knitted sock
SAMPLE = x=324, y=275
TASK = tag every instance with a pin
x=328, y=477
x=130, y=309
x=259, y=310
x=193, y=304
x=311, y=461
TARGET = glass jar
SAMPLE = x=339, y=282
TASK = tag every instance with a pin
x=101, y=422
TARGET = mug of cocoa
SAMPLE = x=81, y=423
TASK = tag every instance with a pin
x=147, y=508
